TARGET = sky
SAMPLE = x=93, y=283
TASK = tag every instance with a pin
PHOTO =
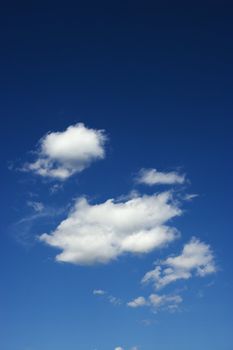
x=116, y=166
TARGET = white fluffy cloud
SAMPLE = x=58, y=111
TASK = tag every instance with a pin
x=196, y=258
x=62, y=154
x=137, y=302
x=153, y=177
x=102, y=232
x=156, y=301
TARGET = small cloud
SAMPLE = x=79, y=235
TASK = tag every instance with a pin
x=196, y=258
x=110, y=298
x=99, y=292
x=190, y=197
x=139, y=301
x=146, y=322
x=37, y=206
x=167, y=301
x=55, y=188
x=62, y=154
x=210, y=284
x=153, y=177
x=200, y=294
x=114, y=300
x=120, y=348
x=156, y=302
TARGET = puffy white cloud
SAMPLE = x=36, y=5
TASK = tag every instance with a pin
x=153, y=177
x=157, y=301
x=62, y=154
x=196, y=258
x=102, y=232
x=139, y=301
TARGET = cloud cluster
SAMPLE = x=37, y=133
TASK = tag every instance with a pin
x=157, y=302
x=153, y=177
x=134, y=224
x=196, y=258
x=101, y=232
x=62, y=154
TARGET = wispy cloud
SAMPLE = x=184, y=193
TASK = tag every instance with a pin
x=153, y=177
x=114, y=300
x=37, y=206
x=147, y=322
x=121, y=348
x=99, y=292
x=56, y=187
x=107, y=296
x=190, y=196
x=25, y=230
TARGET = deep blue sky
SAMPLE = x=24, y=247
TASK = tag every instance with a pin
x=158, y=78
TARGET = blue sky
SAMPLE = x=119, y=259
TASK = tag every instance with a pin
x=116, y=191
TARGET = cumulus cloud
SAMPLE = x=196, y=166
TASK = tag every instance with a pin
x=157, y=302
x=62, y=154
x=138, y=302
x=196, y=258
x=100, y=233
x=153, y=177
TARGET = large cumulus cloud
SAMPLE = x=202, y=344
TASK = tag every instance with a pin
x=99, y=233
